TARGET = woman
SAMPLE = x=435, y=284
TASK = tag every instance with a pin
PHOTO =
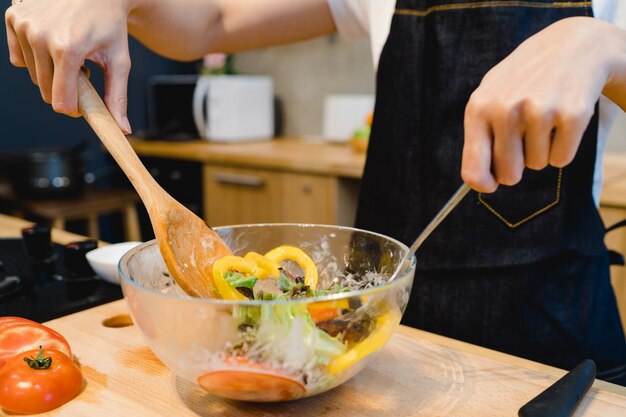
x=522, y=270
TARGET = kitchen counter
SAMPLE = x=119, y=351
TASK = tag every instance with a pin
x=287, y=180
x=295, y=154
x=416, y=374
x=284, y=154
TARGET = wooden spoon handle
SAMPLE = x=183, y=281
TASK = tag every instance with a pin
x=102, y=122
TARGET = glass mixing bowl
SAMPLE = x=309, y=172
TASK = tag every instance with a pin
x=274, y=350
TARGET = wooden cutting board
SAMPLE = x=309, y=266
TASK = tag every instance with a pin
x=416, y=374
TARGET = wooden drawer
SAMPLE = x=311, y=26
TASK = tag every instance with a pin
x=308, y=199
x=236, y=195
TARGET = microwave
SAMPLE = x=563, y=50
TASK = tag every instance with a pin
x=234, y=108
x=170, y=113
x=226, y=111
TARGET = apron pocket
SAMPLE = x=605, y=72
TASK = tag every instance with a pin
x=537, y=193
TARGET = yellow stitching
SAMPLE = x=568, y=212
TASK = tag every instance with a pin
x=483, y=4
x=532, y=216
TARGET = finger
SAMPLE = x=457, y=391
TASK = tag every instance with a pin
x=116, y=90
x=15, y=50
x=537, y=138
x=567, y=136
x=476, y=165
x=27, y=54
x=45, y=72
x=65, y=84
x=508, y=149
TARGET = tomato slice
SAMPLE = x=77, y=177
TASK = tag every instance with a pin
x=327, y=310
x=17, y=336
x=323, y=314
x=253, y=383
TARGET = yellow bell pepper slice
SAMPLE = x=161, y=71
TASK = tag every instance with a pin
x=228, y=264
x=385, y=325
x=265, y=267
x=286, y=252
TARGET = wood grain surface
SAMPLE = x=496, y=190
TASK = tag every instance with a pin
x=416, y=374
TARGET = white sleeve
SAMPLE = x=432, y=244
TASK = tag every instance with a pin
x=612, y=11
x=350, y=17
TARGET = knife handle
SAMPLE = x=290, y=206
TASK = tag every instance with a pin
x=563, y=397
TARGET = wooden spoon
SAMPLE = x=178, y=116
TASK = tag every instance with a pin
x=188, y=245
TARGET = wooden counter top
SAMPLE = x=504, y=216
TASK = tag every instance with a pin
x=416, y=374
x=284, y=154
x=317, y=157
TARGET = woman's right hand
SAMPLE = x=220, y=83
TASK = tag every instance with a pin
x=54, y=38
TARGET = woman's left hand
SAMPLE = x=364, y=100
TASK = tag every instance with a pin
x=532, y=109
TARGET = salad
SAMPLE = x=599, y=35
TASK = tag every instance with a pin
x=284, y=351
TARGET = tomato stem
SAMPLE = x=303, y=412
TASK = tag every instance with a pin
x=40, y=362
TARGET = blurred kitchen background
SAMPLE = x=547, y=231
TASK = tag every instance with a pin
x=304, y=75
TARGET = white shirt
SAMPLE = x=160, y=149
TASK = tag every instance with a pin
x=356, y=18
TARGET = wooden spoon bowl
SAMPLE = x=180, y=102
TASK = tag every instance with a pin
x=188, y=245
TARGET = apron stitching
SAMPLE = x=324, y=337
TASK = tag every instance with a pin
x=530, y=217
x=484, y=4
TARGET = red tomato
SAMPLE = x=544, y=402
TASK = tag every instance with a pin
x=253, y=383
x=18, y=335
x=9, y=320
x=29, y=391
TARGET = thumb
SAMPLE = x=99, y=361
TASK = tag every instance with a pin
x=116, y=90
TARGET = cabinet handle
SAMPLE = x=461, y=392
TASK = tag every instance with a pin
x=238, y=179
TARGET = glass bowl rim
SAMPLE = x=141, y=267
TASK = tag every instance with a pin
x=220, y=301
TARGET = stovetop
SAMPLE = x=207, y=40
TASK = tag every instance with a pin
x=41, y=281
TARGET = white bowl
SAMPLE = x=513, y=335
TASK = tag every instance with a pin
x=104, y=260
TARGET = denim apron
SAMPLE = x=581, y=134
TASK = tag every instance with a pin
x=523, y=270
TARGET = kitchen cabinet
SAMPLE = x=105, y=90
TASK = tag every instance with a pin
x=283, y=180
x=233, y=196
x=238, y=195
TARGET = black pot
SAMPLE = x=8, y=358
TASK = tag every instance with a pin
x=46, y=173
